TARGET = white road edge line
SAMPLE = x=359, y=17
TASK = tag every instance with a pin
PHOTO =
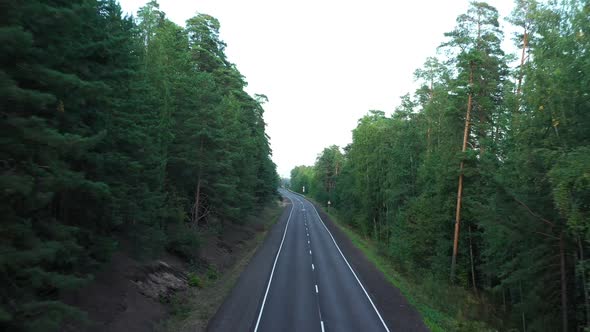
x=322, y=322
x=273, y=266
x=351, y=270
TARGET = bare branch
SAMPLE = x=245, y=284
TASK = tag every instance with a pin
x=533, y=213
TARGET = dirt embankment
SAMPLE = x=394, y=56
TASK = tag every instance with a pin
x=125, y=295
x=168, y=293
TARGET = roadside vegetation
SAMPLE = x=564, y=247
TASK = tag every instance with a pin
x=116, y=129
x=192, y=309
x=474, y=195
x=443, y=307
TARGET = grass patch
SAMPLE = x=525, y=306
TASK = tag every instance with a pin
x=192, y=309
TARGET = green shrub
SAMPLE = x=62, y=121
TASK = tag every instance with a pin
x=212, y=273
x=194, y=280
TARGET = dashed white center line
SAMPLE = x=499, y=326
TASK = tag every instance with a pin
x=313, y=266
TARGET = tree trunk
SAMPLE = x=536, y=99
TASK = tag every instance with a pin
x=375, y=235
x=430, y=96
x=387, y=228
x=525, y=40
x=197, y=202
x=460, y=186
x=584, y=286
x=522, y=314
x=428, y=140
x=197, y=206
x=503, y=300
x=472, y=263
x=563, y=283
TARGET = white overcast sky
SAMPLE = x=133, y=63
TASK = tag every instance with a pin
x=324, y=63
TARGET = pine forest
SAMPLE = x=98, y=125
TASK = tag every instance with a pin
x=114, y=127
x=480, y=179
x=134, y=133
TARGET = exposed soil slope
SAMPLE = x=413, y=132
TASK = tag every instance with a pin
x=129, y=296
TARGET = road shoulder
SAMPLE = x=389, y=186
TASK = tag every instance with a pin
x=240, y=308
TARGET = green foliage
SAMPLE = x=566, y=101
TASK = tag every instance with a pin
x=194, y=280
x=212, y=273
x=301, y=179
x=109, y=125
x=526, y=192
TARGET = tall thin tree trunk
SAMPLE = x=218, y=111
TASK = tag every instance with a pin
x=387, y=228
x=525, y=40
x=460, y=186
x=503, y=300
x=197, y=201
x=438, y=129
x=198, y=190
x=430, y=97
x=472, y=262
x=375, y=236
x=482, y=130
x=523, y=316
x=584, y=286
x=428, y=144
x=563, y=283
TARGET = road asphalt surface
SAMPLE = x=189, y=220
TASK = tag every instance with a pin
x=300, y=279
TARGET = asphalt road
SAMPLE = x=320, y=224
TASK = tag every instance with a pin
x=309, y=286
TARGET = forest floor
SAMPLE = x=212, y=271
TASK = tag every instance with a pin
x=168, y=294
